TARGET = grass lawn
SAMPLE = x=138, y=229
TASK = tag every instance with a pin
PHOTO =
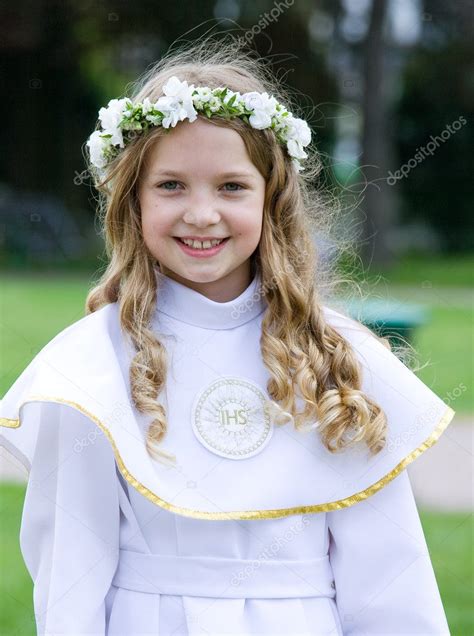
x=446, y=344
x=35, y=309
x=449, y=539
x=451, y=271
x=16, y=598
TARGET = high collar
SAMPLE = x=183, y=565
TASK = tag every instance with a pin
x=190, y=306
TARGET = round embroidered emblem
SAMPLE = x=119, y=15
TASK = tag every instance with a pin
x=229, y=418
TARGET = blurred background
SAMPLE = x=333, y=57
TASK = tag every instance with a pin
x=388, y=87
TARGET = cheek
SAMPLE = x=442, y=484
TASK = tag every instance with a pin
x=249, y=225
x=156, y=223
x=149, y=222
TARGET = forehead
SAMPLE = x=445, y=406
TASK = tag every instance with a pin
x=200, y=145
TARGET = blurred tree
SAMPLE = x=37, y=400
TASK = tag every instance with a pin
x=438, y=91
x=46, y=100
x=377, y=139
x=366, y=63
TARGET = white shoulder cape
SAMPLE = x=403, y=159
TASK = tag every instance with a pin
x=85, y=367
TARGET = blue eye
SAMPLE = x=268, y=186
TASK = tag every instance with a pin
x=235, y=184
x=165, y=183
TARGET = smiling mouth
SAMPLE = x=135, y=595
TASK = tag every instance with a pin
x=210, y=243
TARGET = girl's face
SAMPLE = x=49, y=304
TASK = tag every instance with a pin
x=200, y=182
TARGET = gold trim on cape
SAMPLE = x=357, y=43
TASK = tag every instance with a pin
x=247, y=514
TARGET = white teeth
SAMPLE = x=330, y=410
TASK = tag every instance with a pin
x=201, y=244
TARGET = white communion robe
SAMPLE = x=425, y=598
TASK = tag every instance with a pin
x=258, y=529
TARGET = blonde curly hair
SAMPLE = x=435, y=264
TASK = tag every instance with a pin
x=299, y=348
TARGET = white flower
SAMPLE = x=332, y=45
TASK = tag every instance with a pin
x=128, y=107
x=263, y=107
x=215, y=104
x=110, y=118
x=146, y=106
x=176, y=88
x=280, y=124
x=154, y=119
x=177, y=103
x=228, y=96
x=238, y=103
x=295, y=149
x=203, y=95
x=97, y=145
x=298, y=130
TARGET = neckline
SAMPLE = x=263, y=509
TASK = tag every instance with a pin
x=190, y=306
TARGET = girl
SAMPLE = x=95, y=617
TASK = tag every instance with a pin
x=212, y=449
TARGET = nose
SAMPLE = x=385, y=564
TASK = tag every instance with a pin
x=201, y=210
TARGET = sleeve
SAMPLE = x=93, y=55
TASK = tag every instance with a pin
x=384, y=579
x=69, y=535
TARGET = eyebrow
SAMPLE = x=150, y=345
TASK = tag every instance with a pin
x=223, y=175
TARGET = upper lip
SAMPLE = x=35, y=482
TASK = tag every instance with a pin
x=203, y=238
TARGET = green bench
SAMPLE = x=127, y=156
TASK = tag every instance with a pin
x=389, y=318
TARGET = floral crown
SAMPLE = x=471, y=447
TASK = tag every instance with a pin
x=123, y=119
